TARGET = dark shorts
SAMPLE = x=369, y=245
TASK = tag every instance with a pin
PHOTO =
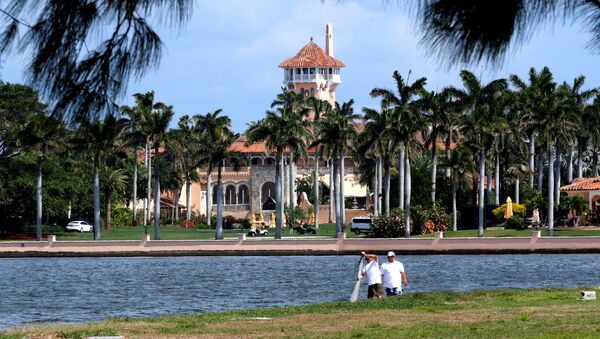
x=390, y=292
x=374, y=290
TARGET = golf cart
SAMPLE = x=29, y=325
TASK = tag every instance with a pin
x=258, y=232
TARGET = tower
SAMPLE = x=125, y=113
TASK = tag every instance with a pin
x=312, y=71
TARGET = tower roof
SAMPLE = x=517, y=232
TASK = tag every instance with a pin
x=311, y=55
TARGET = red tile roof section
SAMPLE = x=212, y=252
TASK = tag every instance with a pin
x=311, y=55
x=583, y=184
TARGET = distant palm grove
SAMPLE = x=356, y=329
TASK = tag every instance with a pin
x=458, y=151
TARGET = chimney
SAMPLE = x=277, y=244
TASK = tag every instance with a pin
x=329, y=39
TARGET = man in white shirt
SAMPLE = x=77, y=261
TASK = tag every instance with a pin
x=371, y=270
x=392, y=273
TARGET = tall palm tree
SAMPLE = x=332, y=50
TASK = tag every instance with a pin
x=318, y=108
x=408, y=121
x=437, y=109
x=43, y=134
x=144, y=103
x=335, y=132
x=99, y=139
x=460, y=164
x=210, y=128
x=155, y=124
x=111, y=180
x=480, y=121
x=284, y=128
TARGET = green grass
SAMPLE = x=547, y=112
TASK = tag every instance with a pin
x=539, y=313
x=495, y=233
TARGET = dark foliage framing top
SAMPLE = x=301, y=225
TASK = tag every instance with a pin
x=83, y=52
x=469, y=31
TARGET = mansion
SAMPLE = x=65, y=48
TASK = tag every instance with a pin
x=312, y=72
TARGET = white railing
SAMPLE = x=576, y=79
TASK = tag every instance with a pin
x=312, y=77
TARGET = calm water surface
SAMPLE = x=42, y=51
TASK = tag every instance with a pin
x=35, y=290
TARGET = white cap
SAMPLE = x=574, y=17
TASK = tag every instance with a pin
x=391, y=254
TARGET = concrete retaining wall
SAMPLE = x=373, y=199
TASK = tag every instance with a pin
x=339, y=246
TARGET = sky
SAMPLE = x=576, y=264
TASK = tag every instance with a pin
x=227, y=55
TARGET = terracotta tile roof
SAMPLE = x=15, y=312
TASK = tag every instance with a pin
x=311, y=55
x=583, y=184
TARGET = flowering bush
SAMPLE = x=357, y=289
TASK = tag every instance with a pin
x=389, y=226
x=431, y=219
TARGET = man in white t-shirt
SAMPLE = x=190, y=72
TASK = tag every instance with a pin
x=371, y=270
x=392, y=273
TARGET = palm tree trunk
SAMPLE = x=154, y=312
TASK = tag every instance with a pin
x=594, y=162
x=481, y=190
x=292, y=201
x=448, y=172
x=497, y=180
x=336, y=183
x=38, y=202
x=488, y=189
x=156, y=203
x=540, y=170
x=557, y=175
x=316, y=188
x=332, y=193
x=454, y=213
x=342, y=194
x=580, y=151
x=570, y=164
x=433, y=167
x=407, y=187
x=96, y=203
x=550, y=192
x=149, y=187
x=517, y=184
x=531, y=158
x=107, y=218
x=219, y=226
x=146, y=200
x=376, y=190
x=209, y=195
x=135, y=180
x=279, y=193
x=401, y=176
x=380, y=184
x=176, y=205
x=386, y=185
x=69, y=210
x=188, y=199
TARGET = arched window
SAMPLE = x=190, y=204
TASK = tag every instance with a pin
x=230, y=195
x=243, y=195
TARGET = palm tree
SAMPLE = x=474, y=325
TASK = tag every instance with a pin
x=210, y=128
x=460, y=164
x=144, y=103
x=111, y=180
x=480, y=122
x=319, y=108
x=437, y=109
x=408, y=121
x=43, y=134
x=284, y=128
x=335, y=132
x=100, y=139
x=155, y=124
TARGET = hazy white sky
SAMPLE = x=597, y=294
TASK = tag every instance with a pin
x=227, y=56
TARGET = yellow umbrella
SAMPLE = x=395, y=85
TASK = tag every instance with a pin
x=312, y=217
x=508, y=212
x=253, y=218
x=272, y=223
x=261, y=217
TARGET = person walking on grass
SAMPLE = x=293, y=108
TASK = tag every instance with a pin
x=392, y=274
x=371, y=270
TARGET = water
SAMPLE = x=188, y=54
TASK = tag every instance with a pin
x=36, y=290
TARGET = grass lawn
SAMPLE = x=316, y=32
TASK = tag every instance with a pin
x=325, y=230
x=539, y=313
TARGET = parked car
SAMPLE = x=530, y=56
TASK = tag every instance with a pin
x=361, y=225
x=79, y=226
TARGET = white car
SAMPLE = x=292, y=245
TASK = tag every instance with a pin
x=79, y=226
x=361, y=225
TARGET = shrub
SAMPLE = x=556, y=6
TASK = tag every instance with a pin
x=122, y=216
x=430, y=219
x=518, y=209
x=390, y=226
x=516, y=222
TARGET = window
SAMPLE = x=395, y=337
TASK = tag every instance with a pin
x=322, y=71
x=305, y=71
x=331, y=71
x=297, y=70
x=312, y=92
x=302, y=91
x=312, y=71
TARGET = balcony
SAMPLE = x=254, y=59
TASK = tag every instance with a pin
x=312, y=78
